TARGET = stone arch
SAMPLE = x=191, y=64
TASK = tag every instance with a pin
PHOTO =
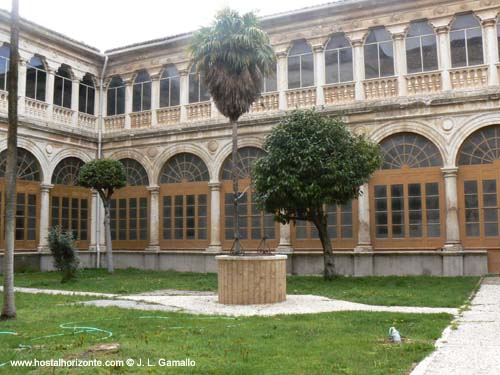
x=138, y=157
x=68, y=153
x=33, y=148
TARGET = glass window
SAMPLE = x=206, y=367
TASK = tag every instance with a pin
x=421, y=48
x=86, y=95
x=379, y=54
x=36, y=78
x=270, y=84
x=338, y=60
x=4, y=66
x=197, y=90
x=482, y=147
x=169, y=87
x=28, y=168
x=116, y=97
x=466, y=41
x=300, y=65
x=62, y=87
x=409, y=149
x=141, y=92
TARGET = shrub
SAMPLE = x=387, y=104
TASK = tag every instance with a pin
x=64, y=253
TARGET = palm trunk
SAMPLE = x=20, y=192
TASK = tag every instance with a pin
x=236, y=217
x=321, y=223
x=109, y=243
x=9, y=306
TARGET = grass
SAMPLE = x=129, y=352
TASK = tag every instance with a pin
x=388, y=291
x=332, y=343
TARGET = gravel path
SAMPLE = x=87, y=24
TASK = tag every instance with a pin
x=473, y=348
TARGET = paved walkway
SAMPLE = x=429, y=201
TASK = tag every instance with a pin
x=473, y=348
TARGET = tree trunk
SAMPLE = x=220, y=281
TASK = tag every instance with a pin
x=321, y=223
x=9, y=306
x=109, y=243
x=234, y=171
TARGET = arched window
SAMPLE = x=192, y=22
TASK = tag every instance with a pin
x=466, y=41
x=36, y=79
x=300, y=65
x=129, y=209
x=379, y=54
x=338, y=60
x=482, y=147
x=62, y=87
x=254, y=224
x=197, y=90
x=116, y=97
x=169, y=87
x=421, y=48
x=408, y=193
x=4, y=66
x=141, y=92
x=184, y=198
x=270, y=83
x=27, y=199
x=86, y=97
x=70, y=204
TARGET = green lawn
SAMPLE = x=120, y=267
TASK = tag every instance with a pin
x=331, y=343
x=391, y=291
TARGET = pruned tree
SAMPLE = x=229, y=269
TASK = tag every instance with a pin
x=233, y=56
x=9, y=306
x=312, y=160
x=104, y=176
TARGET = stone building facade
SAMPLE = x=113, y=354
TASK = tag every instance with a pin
x=421, y=78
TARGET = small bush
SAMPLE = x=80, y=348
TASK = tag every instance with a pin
x=63, y=250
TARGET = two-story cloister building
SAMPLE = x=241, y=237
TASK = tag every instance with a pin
x=421, y=78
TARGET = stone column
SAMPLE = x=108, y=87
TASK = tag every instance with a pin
x=184, y=94
x=154, y=218
x=491, y=48
x=49, y=97
x=128, y=103
x=21, y=86
x=215, y=228
x=359, y=68
x=155, y=98
x=364, y=226
x=319, y=73
x=285, y=244
x=282, y=81
x=43, y=242
x=75, y=96
x=443, y=43
x=400, y=61
x=452, y=242
x=93, y=220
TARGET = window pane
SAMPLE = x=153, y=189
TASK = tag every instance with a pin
x=90, y=100
x=457, y=46
x=82, y=98
x=381, y=219
x=146, y=96
x=165, y=93
x=307, y=70
x=111, y=109
x=475, y=46
x=332, y=66
x=137, y=96
x=371, y=61
x=413, y=57
x=175, y=91
x=346, y=67
x=397, y=208
x=120, y=100
x=386, y=59
x=40, y=85
x=67, y=93
x=58, y=87
x=429, y=51
x=167, y=218
x=194, y=96
x=293, y=72
x=179, y=217
x=31, y=83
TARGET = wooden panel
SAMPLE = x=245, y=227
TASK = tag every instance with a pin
x=494, y=261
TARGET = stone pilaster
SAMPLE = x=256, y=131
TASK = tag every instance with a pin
x=285, y=244
x=359, y=68
x=319, y=73
x=75, y=96
x=128, y=103
x=282, y=81
x=215, y=227
x=43, y=243
x=154, y=218
x=94, y=199
x=490, y=43
x=364, y=226
x=49, y=97
x=452, y=242
x=400, y=61
x=21, y=86
x=155, y=98
x=184, y=94
x=442, y=28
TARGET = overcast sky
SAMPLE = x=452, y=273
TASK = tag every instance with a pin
x=108, y=24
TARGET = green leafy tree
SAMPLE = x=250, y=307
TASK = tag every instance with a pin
x=233, y=56
x=312, y=160
x=63, y=250
x=104, y=176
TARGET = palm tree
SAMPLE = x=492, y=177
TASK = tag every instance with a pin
x=233, y=56
x=9, y=306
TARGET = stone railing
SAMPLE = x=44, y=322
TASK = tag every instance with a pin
x=381, y=88
x=423, y=83
x=168, y=115
x=199, y=111
x=467, y=78
x=62, y=115
x=301, y=98
x=140, y=120
x=114, y=123
x=35, y=108
x=86, y=121
x=338, y=93
x=267, y=102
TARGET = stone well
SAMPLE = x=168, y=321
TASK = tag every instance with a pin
x=251, y=279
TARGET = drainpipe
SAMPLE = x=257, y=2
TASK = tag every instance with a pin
x=99, y=156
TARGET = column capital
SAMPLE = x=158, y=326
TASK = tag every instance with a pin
x=449, y=171
x=356, y=43
x=45, y=188
x=281, y=54
x=154, y=189
x=398, y=36
x=183, y=72
x=442, y=29
x=489, y=22
x=318, y=48
x=215, y=186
